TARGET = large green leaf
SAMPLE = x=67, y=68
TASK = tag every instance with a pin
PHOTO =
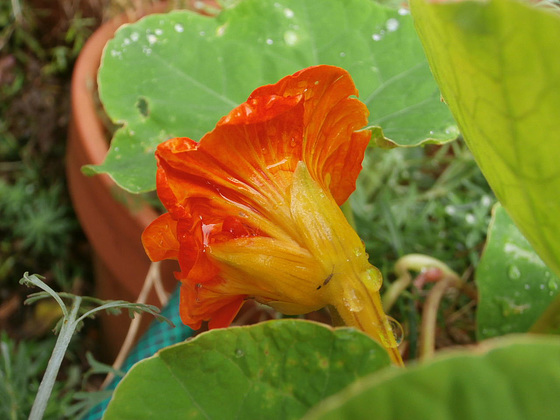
x=277, y=369
x=517, y=379
x=515, y=286
x=497, y=63
x=177, y=74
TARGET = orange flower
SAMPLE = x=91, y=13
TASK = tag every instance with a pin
x=254, y=207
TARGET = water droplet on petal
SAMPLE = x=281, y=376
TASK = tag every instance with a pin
x=352, y=302
x=397, y=329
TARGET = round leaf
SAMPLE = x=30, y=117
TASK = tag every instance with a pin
x=277, y=369
x=178, y=74
x=515, y=286
x=516, y=379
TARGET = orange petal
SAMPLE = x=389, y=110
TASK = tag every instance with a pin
x=160, y=239
x=332, y=150
x=196, y=306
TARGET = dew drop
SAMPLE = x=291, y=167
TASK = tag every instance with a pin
x=134, y=36
x=403, y=12
x=221, y=30
x=352, y=302
x=179, y=28
x=269, y=41
x=289, y=13
x=392, y=25
x=470, y=219
x=239, y=353
x=342, y=54
x=152, y=39
x=290, y=37
x=376, y=37
x=397, y=329
x=514, y=273
x=158, y=31
x=552, y=285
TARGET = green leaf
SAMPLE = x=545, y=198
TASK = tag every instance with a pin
x=277, y=369
x=178, y=74
x=515, y=379
x=515, y=286
x=497, y=63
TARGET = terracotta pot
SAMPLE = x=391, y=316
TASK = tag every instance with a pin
x=113, y=229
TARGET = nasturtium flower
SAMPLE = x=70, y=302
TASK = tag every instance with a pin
x=253, y=208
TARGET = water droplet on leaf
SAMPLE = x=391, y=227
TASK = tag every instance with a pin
x=392, y=25
x=513, y=272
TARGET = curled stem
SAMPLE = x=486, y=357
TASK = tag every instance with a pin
x=447, y=278
x=413, y=262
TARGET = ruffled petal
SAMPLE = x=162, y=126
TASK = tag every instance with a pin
x=333, y=149
x=205, y=305
x=160, y=239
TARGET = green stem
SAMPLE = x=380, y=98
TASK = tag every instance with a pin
x=413, y=262
x=47, y=383
x=429, y=318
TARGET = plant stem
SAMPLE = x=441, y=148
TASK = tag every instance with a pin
x=429, y=318
x=47, y=383
x=414, y=262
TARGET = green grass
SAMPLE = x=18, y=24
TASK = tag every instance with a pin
x=431, y=201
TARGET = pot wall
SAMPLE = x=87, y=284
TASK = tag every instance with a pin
x=112, y=229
